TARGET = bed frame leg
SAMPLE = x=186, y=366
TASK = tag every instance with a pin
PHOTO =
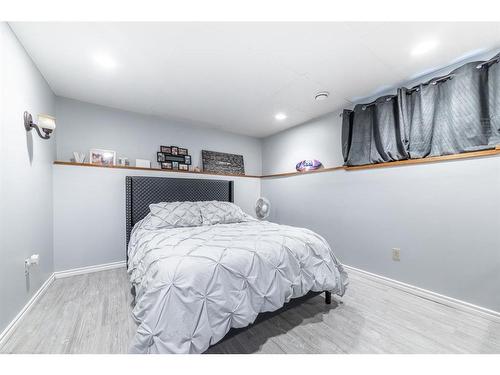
x=328, y=298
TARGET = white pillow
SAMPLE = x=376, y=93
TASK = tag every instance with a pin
x=215, y=212
x=173, y=215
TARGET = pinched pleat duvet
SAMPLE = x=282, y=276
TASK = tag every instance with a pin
x=194, y=284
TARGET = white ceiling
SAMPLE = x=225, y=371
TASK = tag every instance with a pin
x=237, y=76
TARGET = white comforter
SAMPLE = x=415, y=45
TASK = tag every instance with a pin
x=195, y=283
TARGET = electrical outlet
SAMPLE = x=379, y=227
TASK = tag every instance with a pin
x=28, y=262
x=396, y=253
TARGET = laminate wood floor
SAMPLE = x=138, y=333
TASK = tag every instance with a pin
x=91, y=314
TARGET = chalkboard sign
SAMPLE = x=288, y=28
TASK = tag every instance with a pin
x=220, y=162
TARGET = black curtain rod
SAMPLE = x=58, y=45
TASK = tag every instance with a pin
x=432, y=81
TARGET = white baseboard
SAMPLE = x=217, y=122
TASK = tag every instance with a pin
x=89, y=269
x=12, y=325
x=427, y=294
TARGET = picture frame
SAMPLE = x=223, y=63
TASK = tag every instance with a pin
x=166, y=149
x=160, y=157
x=166, y=165
x=222, y=163
x=102, y=157
x=174, y=158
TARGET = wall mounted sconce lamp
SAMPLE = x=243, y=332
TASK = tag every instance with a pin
x=45, y=122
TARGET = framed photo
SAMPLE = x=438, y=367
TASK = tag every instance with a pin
x=175, y=150
x=160, y=157
x=183, y=167
x=182, y=151
x=187, y=159
x=102, y=157
x=166, y=165
x=166, y=149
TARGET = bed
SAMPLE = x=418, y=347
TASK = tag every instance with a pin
x=195, y=285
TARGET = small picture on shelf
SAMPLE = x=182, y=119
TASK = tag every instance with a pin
x=175, y=165
x=166, y=165
x=102, y=157
x=187, y=159
x=166, y=149
x=160, y=157
x=183, y=167
x=174, y=150
x=182, y=151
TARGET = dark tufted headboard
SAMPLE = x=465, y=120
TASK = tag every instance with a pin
x=141, y=191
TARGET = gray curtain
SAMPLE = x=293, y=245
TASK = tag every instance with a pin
x=372, y=133
x=448, y=115
x=346, y=133
x=493, y=67
x=452, y=114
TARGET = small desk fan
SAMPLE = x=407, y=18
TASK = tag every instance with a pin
x=262, y=208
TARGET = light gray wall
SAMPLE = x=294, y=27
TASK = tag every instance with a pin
x=89, y=212
x=82, y=126
x=443, y=216
x=316, y=139
x=25, y=178
x=92, y=200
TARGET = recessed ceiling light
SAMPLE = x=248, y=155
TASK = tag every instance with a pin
x=104, y=61
x=322, y=95
x=280, y=116
x=424, y=47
